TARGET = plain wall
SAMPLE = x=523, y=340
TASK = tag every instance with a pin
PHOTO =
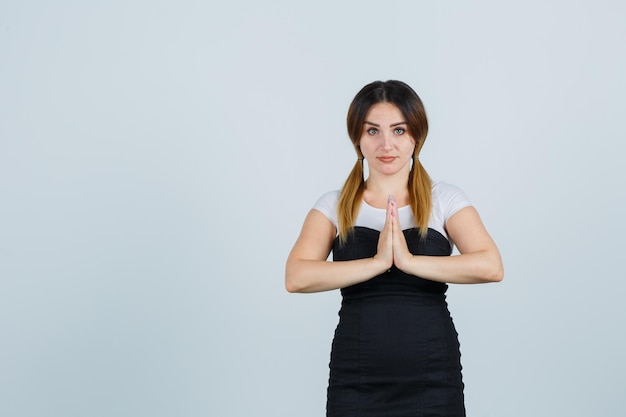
x=157, y=159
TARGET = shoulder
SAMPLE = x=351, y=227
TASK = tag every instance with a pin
x=448, y=199
x=443, y=189
x=331, y=197
x=327, y=205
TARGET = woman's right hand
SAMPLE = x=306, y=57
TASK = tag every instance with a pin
x=385, y=240
x=308, y=270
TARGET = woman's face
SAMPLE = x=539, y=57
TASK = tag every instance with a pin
x=385, y=141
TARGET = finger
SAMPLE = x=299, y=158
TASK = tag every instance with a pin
x=397, y=231
x=396, y=220
x=388, y=219
x=392, y=205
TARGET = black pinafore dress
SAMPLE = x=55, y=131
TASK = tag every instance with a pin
x=395, y=352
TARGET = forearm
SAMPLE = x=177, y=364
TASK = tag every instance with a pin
x=469, y=268
x=307, y=276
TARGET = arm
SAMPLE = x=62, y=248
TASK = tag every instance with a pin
x=479, y=260
x=307, y=269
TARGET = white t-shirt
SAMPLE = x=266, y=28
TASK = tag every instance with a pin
x=447, y=199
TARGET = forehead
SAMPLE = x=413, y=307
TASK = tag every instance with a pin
x=385, y=112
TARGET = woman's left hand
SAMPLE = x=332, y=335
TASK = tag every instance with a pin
x=478, y=260
x=401, y=253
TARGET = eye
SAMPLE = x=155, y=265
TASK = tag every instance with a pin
x=398, y=131
x=371, y=131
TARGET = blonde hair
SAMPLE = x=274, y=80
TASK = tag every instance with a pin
x=419, y=183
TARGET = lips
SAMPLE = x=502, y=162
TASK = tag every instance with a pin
x=386, y=158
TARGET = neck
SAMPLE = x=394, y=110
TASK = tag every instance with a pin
x=385, y=185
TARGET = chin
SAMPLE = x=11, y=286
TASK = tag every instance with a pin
x=388, y=171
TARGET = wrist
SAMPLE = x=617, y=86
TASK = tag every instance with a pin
x=380, y=265
x=406, y=262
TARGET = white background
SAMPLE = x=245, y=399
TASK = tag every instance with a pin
x=157, y=159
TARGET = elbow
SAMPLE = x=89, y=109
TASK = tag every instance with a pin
x=500, y=274
x=495, y=274
x=293, y=287
x=290, y=286
x=291, y=281
x=492, y=269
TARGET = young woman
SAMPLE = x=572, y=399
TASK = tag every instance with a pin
x=395, y=350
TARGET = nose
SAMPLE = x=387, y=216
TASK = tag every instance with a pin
x=387, y=141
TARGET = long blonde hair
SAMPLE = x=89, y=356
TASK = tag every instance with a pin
x=419, y=184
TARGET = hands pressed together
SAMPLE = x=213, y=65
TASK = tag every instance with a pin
x=392, y=247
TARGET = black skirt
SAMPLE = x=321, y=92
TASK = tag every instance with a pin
x=395, y=352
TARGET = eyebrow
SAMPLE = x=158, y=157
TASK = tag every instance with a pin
x=391, y=125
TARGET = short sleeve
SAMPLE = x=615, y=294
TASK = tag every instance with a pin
x=451, y=199
x=327, y=205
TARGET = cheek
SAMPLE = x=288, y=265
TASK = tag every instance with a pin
x=409, y=144
x=365, y=145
